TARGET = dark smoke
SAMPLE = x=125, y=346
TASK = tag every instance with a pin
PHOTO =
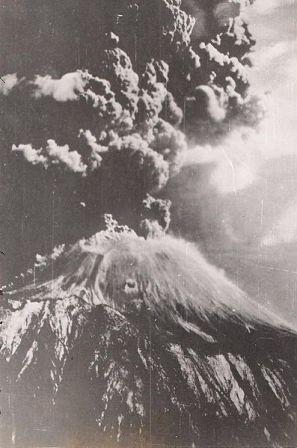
x=111, y=128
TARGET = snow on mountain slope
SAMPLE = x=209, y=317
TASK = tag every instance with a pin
x=137, y=342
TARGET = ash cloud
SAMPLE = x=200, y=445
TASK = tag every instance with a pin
x=156, y=217
x=131, y=113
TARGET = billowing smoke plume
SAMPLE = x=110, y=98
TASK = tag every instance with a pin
x=170, y=74
x=156, y=217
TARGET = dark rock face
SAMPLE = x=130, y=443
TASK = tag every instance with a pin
x=91, y=376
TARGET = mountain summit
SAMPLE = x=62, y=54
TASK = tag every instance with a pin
x=141, y=342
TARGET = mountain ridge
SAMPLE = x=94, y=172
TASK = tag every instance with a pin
x=167, y=339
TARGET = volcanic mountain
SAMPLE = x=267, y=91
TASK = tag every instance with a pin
x=123, y=341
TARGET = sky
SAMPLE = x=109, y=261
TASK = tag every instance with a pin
x=275, y=61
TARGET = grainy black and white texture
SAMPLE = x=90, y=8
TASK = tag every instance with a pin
x=148, y=223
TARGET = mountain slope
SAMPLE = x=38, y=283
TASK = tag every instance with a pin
x=138, y=342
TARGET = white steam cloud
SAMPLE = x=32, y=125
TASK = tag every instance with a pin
x=67, y=88
x=8, y=82
x=52, y=154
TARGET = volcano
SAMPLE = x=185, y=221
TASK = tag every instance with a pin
x=123, y=341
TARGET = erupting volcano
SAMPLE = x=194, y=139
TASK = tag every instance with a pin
x=131, y=337
x=120, y=338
